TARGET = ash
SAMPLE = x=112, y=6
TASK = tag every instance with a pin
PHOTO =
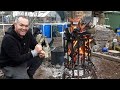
x=49, y=71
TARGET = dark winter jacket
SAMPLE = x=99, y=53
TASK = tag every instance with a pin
x=16, y=50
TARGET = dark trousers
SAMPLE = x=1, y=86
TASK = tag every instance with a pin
x=33, y=65
x=23, y=71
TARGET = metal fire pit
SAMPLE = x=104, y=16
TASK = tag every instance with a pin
x=77, y=52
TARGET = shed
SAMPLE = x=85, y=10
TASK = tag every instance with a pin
x=112, y=18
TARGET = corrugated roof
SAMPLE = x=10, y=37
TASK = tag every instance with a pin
x=112, y=12
x=45, y=14
x=31, y=14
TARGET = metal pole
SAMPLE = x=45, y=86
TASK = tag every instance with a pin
x=4, y=29
x=2, y=18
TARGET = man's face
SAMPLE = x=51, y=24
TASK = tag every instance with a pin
x=22, y=26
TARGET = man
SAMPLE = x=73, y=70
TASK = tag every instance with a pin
x=20, y=54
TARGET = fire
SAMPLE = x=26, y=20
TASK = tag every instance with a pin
x=77, y=23
x=82, y=49
x=69, y=51
x=74, y=43
x=77, y=43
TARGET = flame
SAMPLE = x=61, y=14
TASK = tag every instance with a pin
x=69, y=51
x=82, y=49
x=74, y=43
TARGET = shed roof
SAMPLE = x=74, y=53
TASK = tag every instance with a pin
x=31, y=14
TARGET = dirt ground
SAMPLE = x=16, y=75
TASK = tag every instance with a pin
x=106, y=69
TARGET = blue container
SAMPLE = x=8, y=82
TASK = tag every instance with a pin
x=118, y=31
x=60, y=28
x=46, y=30
x=65, y=26
x=118, y=34
x=104, y=49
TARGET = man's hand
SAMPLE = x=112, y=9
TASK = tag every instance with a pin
x=42, y=54
x=38, y=48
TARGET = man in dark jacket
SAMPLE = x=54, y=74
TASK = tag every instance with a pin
x=20, y=54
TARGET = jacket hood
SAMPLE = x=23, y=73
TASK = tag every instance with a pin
x=11, y=31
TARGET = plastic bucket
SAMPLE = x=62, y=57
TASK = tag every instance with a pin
x=104, y=49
